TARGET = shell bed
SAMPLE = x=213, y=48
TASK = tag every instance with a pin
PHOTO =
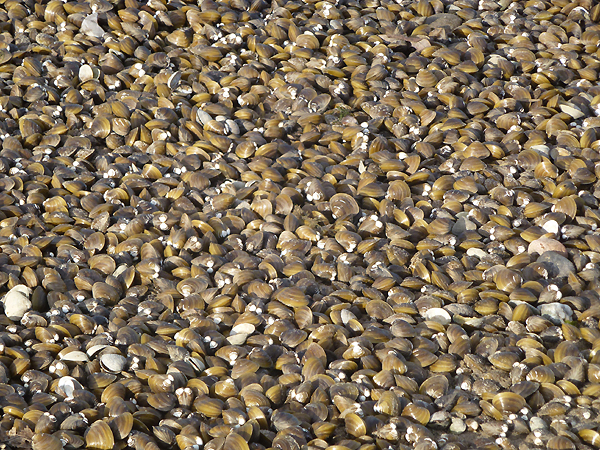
x=299, y=225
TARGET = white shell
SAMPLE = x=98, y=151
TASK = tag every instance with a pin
x=16, y=302
x=556, y=312
x=66, y=386
x=75, y=355
x=551, y=226
x=347, y=316
x=112, y=362
x=90, y=26
x=237, y=339
x=243, y=328
x=438, y=315
x=86, y=73
x=203, y=117
x=95, y=349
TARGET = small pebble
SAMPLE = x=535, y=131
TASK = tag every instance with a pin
x=558, y=266
x=458, y=426
x=537, y=423
x=556, y=312
x=440, y=419
x=543, y=245
x=462, y=224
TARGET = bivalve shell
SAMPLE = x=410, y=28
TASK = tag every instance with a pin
x=100, y=436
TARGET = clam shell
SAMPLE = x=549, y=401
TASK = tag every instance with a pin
x=504, y=360
x=435, y=387
x=235, y=442
x=560, y=443
x=162, y=401
x=541, y=374
x=208, y=406
x=355, y=426
x=323, y=430
x=112, y=362
x=509, y=402
x=388, y=404
x=46, y=441
x=590, y=436
x=417, y=413
x=99, y=436
x=343, y=205
x=122, y=425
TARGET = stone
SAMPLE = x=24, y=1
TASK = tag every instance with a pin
x=557, y=265
x=440, y=419
x=543, y=245
x=461, y=225
x=461, y=309
x=17, y=302
x=458, y=426
x=439, y=315
x=444, y=20
x=556, y=312
x=237, y=339
x=537, y=423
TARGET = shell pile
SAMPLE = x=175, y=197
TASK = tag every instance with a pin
x=342, y=225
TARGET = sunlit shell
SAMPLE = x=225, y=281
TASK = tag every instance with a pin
x=208, y=407
x=323, y=430
x=112, y=362
x=490, y=410
x=355, y=426
x=560, y=443
x=435, y=386
x=46, y=441
x=100, y=436
x=509, y=402
x=590, y=436
x=417, y=413
x=343, y=205
x=566, y=205
x=122, y=425
x=541, y=374
x=504, y=360
x=508, y=280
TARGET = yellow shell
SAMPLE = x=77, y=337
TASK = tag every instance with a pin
x=509, y=402
x=418, y=413
x=45, y=441
x=355, y=426
x=99, y=436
